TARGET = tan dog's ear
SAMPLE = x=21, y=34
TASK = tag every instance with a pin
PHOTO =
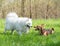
x=52, y=29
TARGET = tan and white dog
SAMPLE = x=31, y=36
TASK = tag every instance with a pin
x=44, y=31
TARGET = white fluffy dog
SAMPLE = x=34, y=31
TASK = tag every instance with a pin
x=21, y=25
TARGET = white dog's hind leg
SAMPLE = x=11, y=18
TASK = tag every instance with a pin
x=5, y=31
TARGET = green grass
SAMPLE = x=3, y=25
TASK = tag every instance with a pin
x=33, y=38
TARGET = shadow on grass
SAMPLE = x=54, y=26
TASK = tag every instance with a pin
x=57, y=44
x=54, y=44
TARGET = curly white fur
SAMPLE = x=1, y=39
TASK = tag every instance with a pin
x=13, y=22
